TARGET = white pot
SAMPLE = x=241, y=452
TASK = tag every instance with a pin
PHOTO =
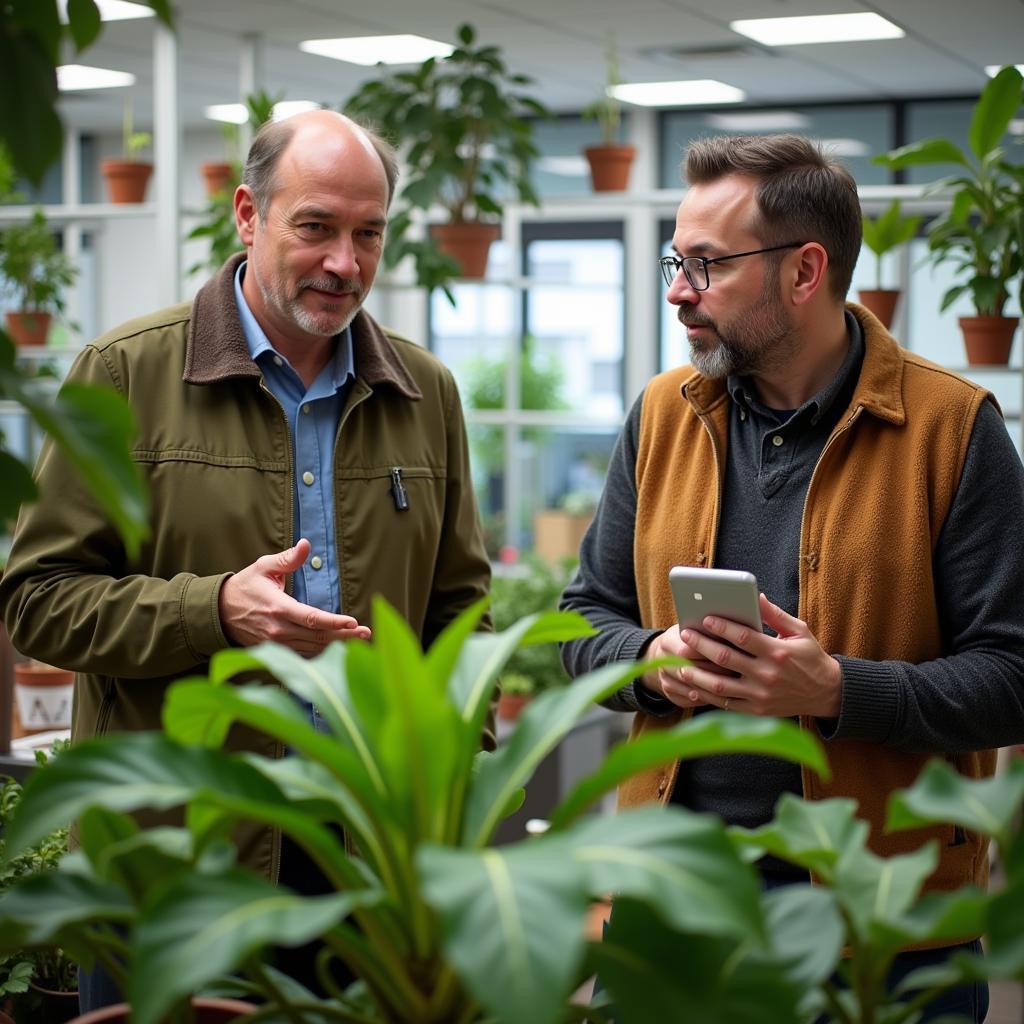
x=43, y=696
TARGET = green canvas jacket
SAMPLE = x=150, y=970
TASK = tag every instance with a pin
x=213, y=445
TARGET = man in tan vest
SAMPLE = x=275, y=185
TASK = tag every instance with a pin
x=876, y=496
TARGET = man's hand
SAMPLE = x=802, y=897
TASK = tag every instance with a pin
x=664, y=645
x=783, y=676
x=254, y=607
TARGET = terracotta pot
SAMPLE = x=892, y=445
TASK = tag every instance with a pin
x=882, y=302
x=42, y=696
x=988, y=339
x=126, y=180
x=219, y=177
x=468, y=244
x=510, y=705
x=206, y=1011
x=28, y=328
x=610, y=167
x=55, y=1007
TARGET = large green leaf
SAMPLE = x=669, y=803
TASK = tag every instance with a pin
x=93, y=428
x=36, y=911
x=809, y=954
x=681, y=863
x=207, y=926
x=811, y=834
x=930, y=151
x=876, y=892
x=942, y=794
x=29, y=125
x=711, y=733
x=655, y=973
x=1005, y=932
x=546, y=720
x=999, y=102
x=126, y=773
x=511, y=923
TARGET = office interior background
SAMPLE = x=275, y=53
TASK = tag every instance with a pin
x=573, y=297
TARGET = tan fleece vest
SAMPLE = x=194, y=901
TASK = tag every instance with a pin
x=875, y=505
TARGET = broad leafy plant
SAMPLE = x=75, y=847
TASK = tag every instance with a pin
x=889, y=230
x=436, y=923
x=982, y=234
x=92, y=427
x=465, y=126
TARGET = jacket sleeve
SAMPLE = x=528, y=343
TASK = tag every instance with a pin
x=69, y=596
x=972, y=698
x=462, y=572
x=603, y=590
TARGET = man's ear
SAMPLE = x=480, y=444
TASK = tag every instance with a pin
x=245, y=214
x=809, y=273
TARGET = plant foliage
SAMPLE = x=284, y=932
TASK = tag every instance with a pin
x=464, y=125
x=885, y=232
x=982, y=234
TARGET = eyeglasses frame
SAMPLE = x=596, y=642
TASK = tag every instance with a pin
x=671, y=265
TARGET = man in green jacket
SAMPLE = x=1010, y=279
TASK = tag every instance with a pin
x=299, y=459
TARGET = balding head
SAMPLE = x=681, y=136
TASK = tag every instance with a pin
x=311, y=128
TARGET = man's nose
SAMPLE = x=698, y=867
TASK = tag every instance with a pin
x=680, y=290
x=341, y=259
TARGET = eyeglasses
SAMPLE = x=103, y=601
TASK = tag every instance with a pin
x=696, y=267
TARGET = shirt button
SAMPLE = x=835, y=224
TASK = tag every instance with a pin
x=777, y=440
x=305, y=408
x=307, y=478
x=743, y=415
x=317, y=562
x=278, y=361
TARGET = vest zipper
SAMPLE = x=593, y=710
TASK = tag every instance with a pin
x=398, y=490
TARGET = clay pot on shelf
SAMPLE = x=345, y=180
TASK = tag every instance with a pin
x=126, y=180
x=882, y=302
x=204, y=1011
x=469, y=244
x=28, y=328
x=610, y=167
x=219, y=176
x=988, y=339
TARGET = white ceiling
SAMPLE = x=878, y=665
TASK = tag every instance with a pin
x=561, y=44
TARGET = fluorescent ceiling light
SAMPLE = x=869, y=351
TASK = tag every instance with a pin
x=846, y=147
x=290, y=107
x=229, y=113
x=370, y=50
x=677, y=94
x=238, y=113
x=75, y=77
x=112, y=10
x=759, y=121
x=563, y=166
x=817, y=28
x=993, y=69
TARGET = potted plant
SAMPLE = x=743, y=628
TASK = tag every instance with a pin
x=221, y=177
x=464, y=125
x=35, y=985
x=516, y=692
x=218, y=223
x=445, y=926
x=882, y=234
x=42, y=697
x=611, y=161
x=35, y=273
x=127, y=177
x=981, y=232
x=557, y=532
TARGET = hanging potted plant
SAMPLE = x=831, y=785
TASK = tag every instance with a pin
x=981, y=233
x=127, y=177
x=463, y=123
x=882, y=234
x=35, y=273
x=610, y=162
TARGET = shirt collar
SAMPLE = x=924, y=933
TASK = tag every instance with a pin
x=743, y=394
x=259, y=345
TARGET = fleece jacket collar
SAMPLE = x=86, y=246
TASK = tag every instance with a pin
x=879, y=389
x=217, y=349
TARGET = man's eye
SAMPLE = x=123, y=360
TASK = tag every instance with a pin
x=312, y=226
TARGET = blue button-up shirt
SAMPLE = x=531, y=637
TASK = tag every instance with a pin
x=313, y=415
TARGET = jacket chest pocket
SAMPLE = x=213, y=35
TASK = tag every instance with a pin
x=394, y=504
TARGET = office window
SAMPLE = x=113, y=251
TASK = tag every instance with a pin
x=561, y=169
x=853, y=133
